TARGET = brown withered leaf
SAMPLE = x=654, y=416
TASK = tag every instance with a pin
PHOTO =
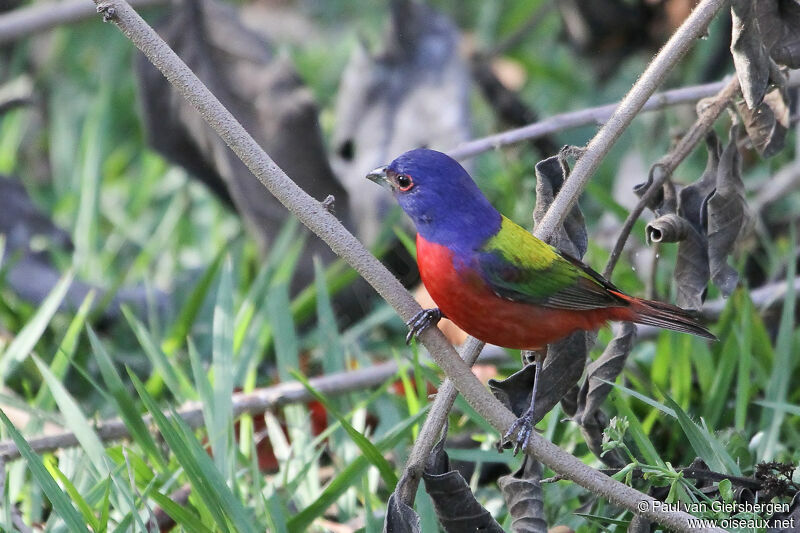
x=779, y=22
x=750, y=54
x=522, y=492
x=400, y=518
x=693, y=197
x=727, y=216
x=768, y=122
x=604, y=369
x=691, y=271
x=455, y=505
x=550, y=175
x=413, y=93
x=667, y=228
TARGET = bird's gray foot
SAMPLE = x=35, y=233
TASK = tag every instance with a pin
x=422, y=320
x=519, y=434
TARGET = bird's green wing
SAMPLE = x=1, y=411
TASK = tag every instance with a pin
x=519, y=267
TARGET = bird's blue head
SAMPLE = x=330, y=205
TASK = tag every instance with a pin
x=446, y=206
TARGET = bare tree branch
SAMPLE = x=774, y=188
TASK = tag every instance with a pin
x=256, y=402
x=44, y=16
x=574, y=119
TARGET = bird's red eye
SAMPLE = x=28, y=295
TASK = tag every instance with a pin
x=404, y=182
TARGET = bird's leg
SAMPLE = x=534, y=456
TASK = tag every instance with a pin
x=420, y=321
x=523, y=426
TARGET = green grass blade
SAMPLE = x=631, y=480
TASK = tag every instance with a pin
x=702, y=442
x=180, y=513
x=173, y=376
x=126, y=408
x=329, y=338
x=220, y=427
x=60, y=501
x=72, y=492
x=206, y=480
x=66, y=350
x=777, y=388
x=191, y=308
x=75, y=419
x=349, y=476
x=27, y=338
x=370, y=451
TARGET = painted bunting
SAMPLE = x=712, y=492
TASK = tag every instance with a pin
x=494, y=279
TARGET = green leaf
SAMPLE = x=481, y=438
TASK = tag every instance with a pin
x=636, y=431
x=27, y=338
x=66, y=350
x=703, y=443
x=777, y=389
x=61, y=503
x=333, y=356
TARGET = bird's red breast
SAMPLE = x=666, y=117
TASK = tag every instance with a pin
x=465, y=298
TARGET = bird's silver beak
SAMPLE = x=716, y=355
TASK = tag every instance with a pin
x=379, y=176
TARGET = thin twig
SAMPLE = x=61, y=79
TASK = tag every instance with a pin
x=663, y=169
x=574, y=119
x=328, y=228
x=35, y=18
x=255, y=402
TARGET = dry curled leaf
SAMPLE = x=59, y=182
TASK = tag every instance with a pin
x=604, y=369
x=522, y=492
x=763, y=32
x=750, y=54
x=768, y=122
x=455, y=505
x=550, y=176
x=727, y=216
x=667, y=228
x=400, y=518
x=691, y=272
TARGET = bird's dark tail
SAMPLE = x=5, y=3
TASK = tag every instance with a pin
x=667, y=316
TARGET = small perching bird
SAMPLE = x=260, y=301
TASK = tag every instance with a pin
x=494, y=279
